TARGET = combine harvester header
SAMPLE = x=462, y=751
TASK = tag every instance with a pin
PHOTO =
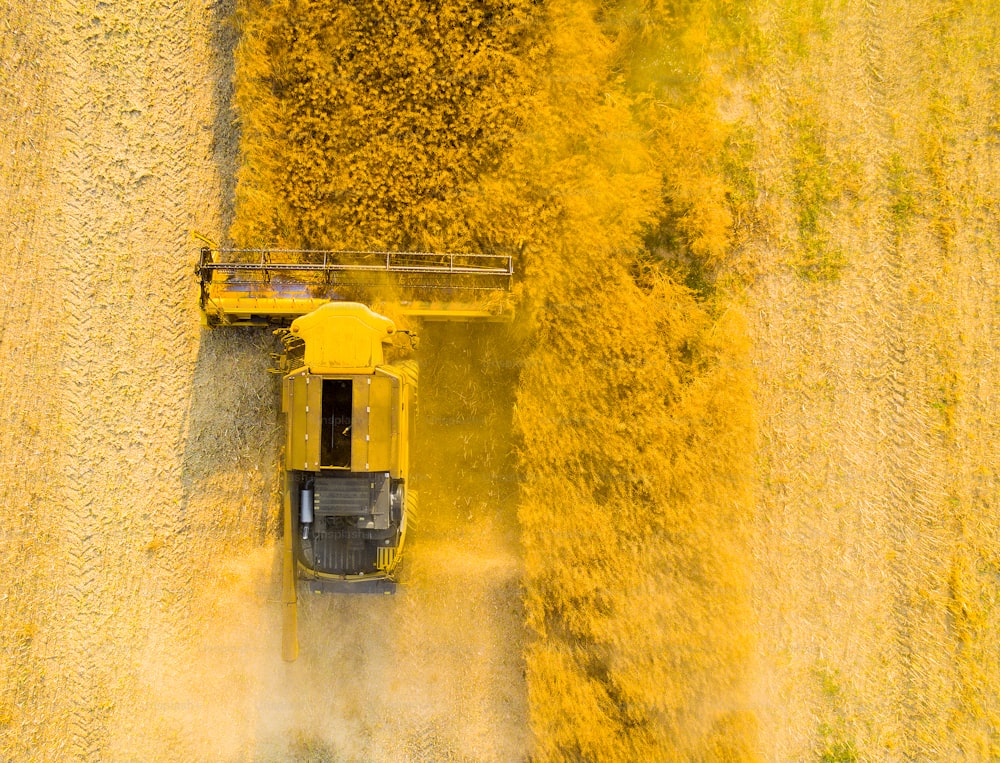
x=258, y=287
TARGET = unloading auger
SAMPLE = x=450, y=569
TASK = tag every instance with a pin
x=349, y=414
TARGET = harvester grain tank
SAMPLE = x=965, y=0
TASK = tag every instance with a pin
x=349, y=414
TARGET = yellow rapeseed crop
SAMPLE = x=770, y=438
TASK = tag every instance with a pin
x=369, y=125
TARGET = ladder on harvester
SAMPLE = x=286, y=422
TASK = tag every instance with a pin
x=257, y=287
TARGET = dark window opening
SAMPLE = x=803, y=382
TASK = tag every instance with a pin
x=337, y=406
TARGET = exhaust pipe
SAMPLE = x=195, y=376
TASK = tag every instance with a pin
x=306, y=508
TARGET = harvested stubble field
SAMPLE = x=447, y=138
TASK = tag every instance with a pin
x=726, y=490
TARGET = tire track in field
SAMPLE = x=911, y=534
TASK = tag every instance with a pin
x=133, y=134
x=902, y=453
x=956, y=49
x=853, y=464
x=911, y=268
x=29, y=359
x=78, y=523
x=890, y=361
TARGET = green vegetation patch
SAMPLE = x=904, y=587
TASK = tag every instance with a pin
x=903, y=203
x=814, y=190
x=835, y=742
x=836, y=749
x=806, y=23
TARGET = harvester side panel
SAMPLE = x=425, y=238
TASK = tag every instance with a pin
x=396, y=431
x=371, y=442
x=380, y=422
x=401, y=406
x=305, y=399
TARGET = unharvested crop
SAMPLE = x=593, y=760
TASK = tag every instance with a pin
x=369, y=125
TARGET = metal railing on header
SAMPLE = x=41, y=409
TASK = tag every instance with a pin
x=443, y=270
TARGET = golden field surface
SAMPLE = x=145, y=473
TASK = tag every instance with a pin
x=727, y=488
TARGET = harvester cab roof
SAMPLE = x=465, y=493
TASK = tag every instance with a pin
x=343, y=337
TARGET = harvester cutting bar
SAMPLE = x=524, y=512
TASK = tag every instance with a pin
x=247, y=286
x=235, y=261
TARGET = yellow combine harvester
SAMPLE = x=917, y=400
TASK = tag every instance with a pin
x=348, y=413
